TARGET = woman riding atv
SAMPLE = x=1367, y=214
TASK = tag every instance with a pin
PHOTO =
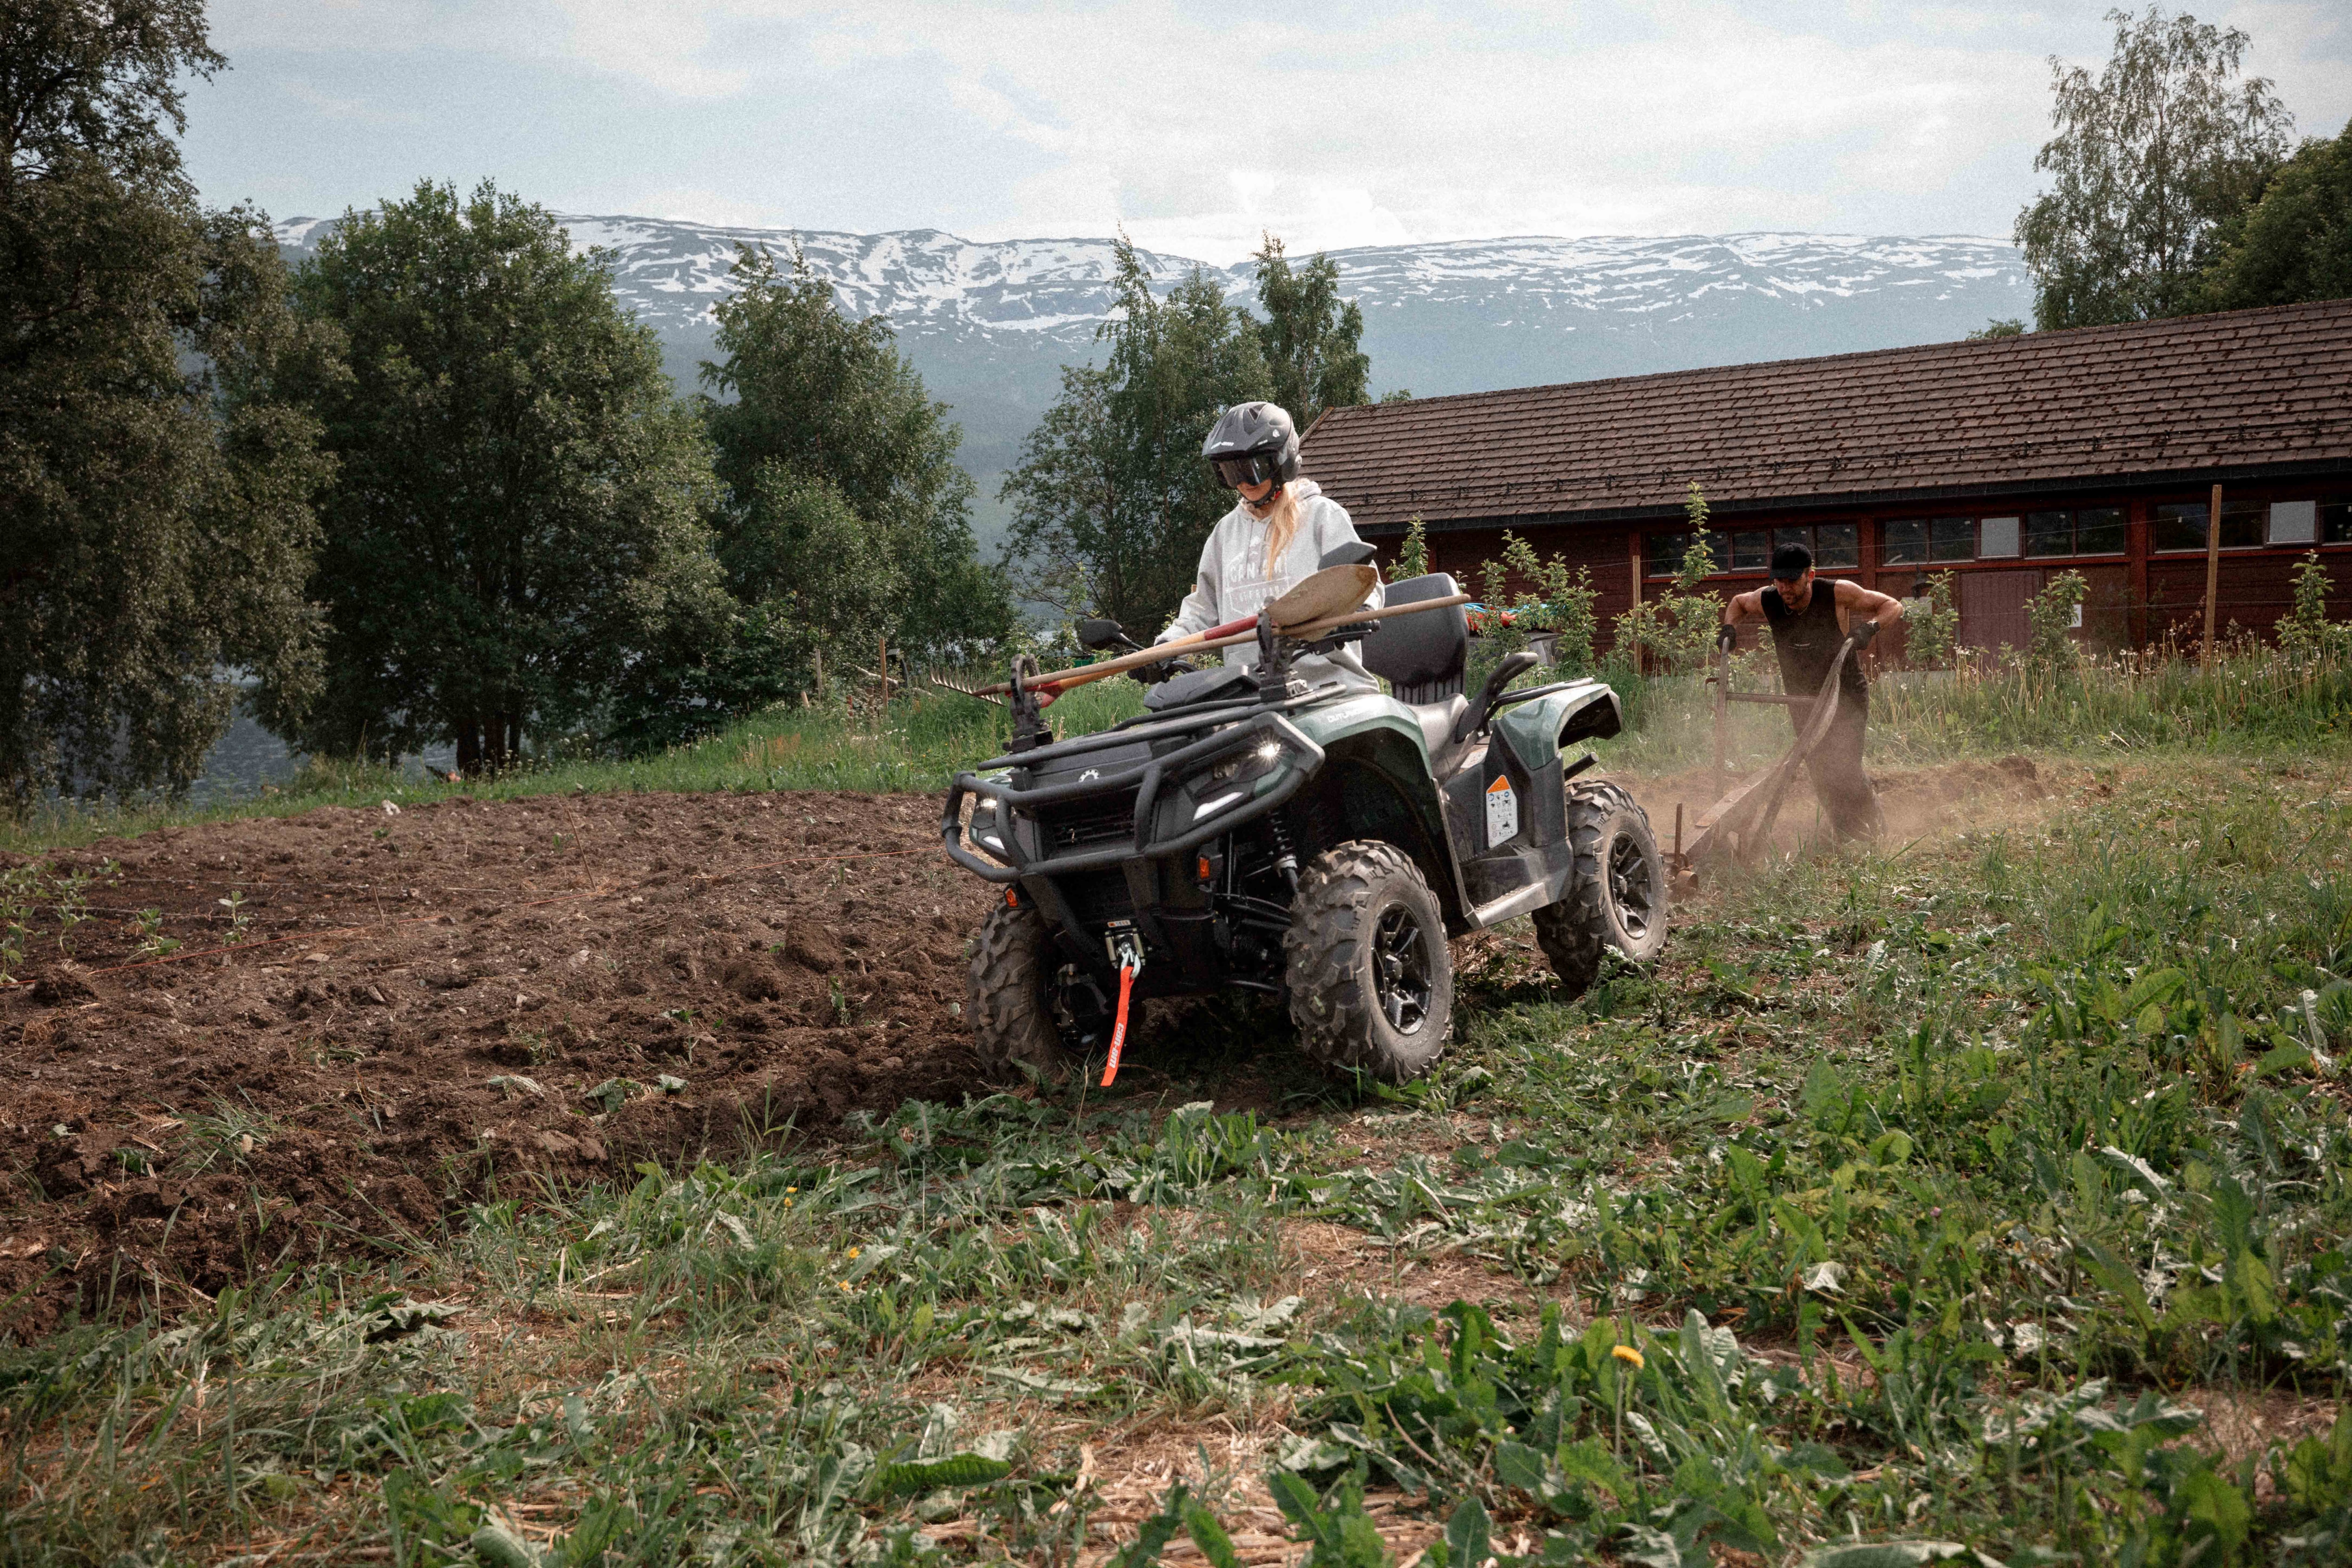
x=1282, y=528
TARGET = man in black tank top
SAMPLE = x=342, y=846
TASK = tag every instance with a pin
x=1811, y=621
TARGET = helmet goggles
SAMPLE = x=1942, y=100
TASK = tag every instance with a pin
x=1249, y=468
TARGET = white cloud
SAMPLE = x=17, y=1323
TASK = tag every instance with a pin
x=1382, y=120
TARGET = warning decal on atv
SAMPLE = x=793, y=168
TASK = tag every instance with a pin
x=1502, y=813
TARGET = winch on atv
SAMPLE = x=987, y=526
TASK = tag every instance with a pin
x=1321, y=845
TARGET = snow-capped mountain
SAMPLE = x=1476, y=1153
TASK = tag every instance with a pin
x=989, y=324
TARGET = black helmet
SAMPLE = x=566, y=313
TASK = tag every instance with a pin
x=1253, y=443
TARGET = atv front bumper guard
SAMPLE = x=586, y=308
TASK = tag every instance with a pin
x=1146, y=784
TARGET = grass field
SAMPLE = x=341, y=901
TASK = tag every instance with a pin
x=927, y=737
x=2255, y=700
x=1986, y=1194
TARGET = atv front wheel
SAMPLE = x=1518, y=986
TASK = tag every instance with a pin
x=1013, y=1022
x=1619, y=898
x=1370, y=976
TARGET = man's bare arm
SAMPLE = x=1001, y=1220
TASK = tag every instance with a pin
x=1747, y=606
x=1856, y=602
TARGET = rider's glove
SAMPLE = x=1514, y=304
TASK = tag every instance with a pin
x=1725, y=636
x=1863, y=632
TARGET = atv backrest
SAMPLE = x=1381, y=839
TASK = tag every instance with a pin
x=1421, y=655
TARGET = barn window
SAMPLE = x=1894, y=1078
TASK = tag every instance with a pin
x=2180, y=525
x=2336, y=522
x=1913, y=539
x=2099, y=531
x=2294, y=523
x=1952, y=539
x=1837, y=544
x=2093, y=531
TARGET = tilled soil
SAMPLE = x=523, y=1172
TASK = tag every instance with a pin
x=375, y=1016
x=426, y=1007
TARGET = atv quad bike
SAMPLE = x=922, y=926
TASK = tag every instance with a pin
x=1321, y=845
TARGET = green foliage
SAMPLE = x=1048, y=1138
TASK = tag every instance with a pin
x=1553, y=599
x=1931, y=634
x=840, y=468
x=518, y=520
x=1111, y=500
x=156, y=488
x=1674, y=629
x=1413, y=556
x=2153, y=156
x=2252, y=697
x=1699, y=562
x=2296, y=243
x=1999, y=327
x=919, y=743
x=845, y=520
x=2050, y=615
x=2306, y=634
x=1310, y=337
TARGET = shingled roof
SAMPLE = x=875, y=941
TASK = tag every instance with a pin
x=2216, y=396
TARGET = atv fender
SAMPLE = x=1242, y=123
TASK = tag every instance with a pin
x=1539, y=730
x=1375, y=733
x=1538, y=868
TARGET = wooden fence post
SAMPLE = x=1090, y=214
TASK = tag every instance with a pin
x=2212, y=569
x=1634, y=545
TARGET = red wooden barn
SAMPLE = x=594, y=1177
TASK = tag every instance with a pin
x=2003, y=461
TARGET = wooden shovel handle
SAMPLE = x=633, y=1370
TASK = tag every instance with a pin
x=1062, y=680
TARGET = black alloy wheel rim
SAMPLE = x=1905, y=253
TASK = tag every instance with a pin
x=1632, y=886
x=1400, y=978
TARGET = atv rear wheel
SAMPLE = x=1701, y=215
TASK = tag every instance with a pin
x=1370, y=976
x=1006, y=992
x=1619, y=898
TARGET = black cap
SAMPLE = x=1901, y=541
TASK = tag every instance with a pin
x=1791, y=562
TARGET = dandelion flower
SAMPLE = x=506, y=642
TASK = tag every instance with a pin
x=1627, y=1354
x=791, y=1189
x=844, y=1284
x=853, y=1252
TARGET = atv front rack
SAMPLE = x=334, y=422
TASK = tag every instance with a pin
x=1146, y=784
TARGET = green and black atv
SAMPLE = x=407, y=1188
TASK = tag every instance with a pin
x=1246, y=832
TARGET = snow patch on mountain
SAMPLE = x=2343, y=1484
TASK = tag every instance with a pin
x=990, y=324
x=928, y=281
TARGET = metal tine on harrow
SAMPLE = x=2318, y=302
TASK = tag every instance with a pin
x=962, y=682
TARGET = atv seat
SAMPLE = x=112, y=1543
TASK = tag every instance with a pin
x=1423, y=656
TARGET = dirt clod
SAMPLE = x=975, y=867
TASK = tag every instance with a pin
x=62, y=982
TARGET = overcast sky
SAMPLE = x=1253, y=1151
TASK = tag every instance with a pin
x=1195, y=126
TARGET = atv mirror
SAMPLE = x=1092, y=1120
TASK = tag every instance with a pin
x=1355, y=555
x=1096, y=633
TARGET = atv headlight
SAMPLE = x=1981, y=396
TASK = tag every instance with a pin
x=988, y=828
x=1254, y=763
x=1228, y=782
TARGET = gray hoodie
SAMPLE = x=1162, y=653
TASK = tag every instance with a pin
x=1236, y=579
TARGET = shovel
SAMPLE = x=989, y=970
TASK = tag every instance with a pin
x=1329, y=594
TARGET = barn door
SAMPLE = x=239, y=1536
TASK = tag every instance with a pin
x=1992, y=608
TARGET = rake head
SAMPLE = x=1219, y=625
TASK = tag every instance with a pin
x=969, y=685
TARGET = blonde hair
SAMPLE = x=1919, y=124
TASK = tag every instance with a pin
x=1281, y=525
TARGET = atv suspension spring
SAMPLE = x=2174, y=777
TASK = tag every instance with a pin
x=1285, y=857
